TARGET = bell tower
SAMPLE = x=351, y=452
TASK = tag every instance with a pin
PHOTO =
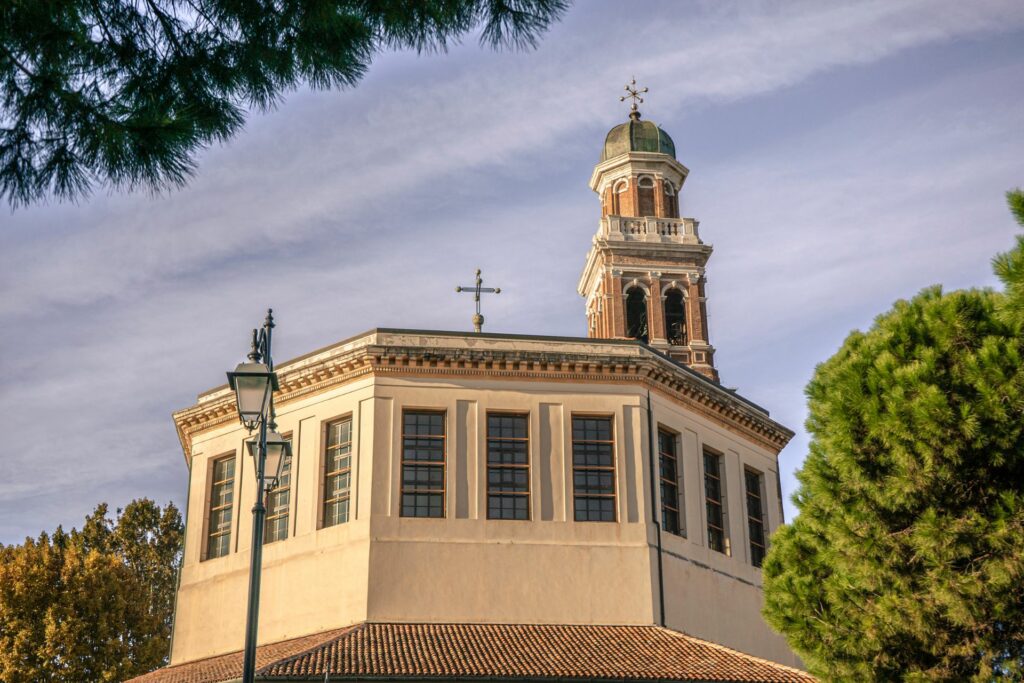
x=644, y=274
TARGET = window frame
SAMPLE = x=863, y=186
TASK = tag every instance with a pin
x=645, y=201
x=720, y=502
x=762, y=521
x=212, y=483
x=614, y=495
x=676, y=456
x=442, y=464
x=325, y=430
x=671, y=199
x=526, y=466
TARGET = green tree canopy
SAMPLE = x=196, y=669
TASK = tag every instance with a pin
x=124, y=93
x=906, y=561
x=91, y=605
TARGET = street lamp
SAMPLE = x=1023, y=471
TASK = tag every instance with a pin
x=278, y=450
x=254, y=384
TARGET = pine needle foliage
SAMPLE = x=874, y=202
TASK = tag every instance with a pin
x=906, y=562
x=124, y=93
x=91, y=605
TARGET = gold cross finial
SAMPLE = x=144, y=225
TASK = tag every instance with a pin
x=633, y=93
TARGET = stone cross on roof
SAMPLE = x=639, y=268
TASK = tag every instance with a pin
x=478, y=289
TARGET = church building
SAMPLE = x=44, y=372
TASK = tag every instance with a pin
x=503, y=506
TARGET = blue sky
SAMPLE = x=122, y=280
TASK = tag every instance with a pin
x=842, y=156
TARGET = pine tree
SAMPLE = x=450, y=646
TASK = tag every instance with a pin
x=91, y=605
x=906, y=561
x=124, y=94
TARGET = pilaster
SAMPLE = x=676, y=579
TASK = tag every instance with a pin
x=656, y=311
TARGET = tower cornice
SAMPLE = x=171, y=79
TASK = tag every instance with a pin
x=636, y=163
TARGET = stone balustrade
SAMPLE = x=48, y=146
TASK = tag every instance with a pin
x=650, y=229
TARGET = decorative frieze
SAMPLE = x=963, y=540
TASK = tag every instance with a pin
x=390, y=353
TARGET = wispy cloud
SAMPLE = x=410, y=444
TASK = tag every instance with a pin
x=352, y=210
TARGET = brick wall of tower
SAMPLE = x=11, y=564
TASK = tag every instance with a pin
x=659, y=199
x=694, y=312
x=609, y=318
x=627, y=203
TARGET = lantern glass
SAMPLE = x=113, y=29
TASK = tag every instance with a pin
x=253, y=384
x=278, y=448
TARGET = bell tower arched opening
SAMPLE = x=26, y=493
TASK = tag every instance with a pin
x=636, y=315
x=675, y=318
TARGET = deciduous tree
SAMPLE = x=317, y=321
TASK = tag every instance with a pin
x=91, y=605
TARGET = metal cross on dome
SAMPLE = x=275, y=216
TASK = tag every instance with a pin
x=633, y=93
x=478, y=289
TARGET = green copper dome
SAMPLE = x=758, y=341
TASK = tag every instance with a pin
x=637, y=136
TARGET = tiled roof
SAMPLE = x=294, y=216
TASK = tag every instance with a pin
x=229, y=667
x=444, y=651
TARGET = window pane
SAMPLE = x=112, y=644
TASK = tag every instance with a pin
x=593, y=469
x=507, y=479
x=714, y=515
x=336, y=486
x=756, y=532
x=337, y=472
x=507, y=507
x=508, y=466
x=423, y=468
x=220, y=521
x=218, y=534
x=501, y=451
x=424, y=424
x=339, y=433
x=415, y=477
x=339, y=460
x=670, y=521
x=755, y=516
x=423, y=448
x=336, y=512
x=716, y=540
x=671, y=506
x=595, y=509
x=422, y=505
x=592, y=454
x=713, y=501
x=594, y=481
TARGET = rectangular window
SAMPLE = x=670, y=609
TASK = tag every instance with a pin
x=671, y=517
x=714, y=500
x=337, y=471
x=279, y=503
x=593, y=469
x=222, y=493
x=423, y=448
x=508, y=468
x=755, y=515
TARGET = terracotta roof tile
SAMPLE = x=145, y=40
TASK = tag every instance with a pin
x=229, y=667
x=525, y=651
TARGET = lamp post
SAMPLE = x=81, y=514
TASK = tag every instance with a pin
x=254, y=384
